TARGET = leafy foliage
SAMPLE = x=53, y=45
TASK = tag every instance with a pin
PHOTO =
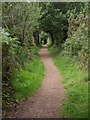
x=54, y=21
x=19, y=20
x=76, y=44
x=67, y=23
x=9, y=52
x=18, y=62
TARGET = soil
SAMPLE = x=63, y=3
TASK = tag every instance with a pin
x=46, y=102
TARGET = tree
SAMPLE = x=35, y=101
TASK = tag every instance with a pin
x=21, y=19
x=53, y=20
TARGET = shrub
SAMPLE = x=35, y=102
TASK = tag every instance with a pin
x=76, y=45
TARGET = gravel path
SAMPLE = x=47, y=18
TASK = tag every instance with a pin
x=46, y=102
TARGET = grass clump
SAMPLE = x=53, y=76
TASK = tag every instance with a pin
x=75, y=84
x=29, y=78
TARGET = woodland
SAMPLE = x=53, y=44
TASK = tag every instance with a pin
x=63, y=28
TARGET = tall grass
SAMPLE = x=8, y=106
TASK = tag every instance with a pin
x=75, y=85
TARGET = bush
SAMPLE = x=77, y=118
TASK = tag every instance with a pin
x=76, y=45
x=14, y=57
x=9, y=65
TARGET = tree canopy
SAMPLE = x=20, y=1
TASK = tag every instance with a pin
x=25, y=25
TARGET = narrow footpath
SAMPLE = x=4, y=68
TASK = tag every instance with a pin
x=45, y=103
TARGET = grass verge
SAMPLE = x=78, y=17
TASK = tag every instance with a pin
x=29, y=78
x=75, y=84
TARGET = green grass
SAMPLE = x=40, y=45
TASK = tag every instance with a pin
x=75, y=84
x=29, y=79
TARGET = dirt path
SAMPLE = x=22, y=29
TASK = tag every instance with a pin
x=46, y=102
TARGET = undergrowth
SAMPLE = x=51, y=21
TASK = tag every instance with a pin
x=75, y=84
x=29, y=78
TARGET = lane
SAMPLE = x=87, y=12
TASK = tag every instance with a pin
x=46, y=102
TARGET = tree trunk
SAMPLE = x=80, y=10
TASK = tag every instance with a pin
x=36, y=37
x=24, y=29
x=52, y=38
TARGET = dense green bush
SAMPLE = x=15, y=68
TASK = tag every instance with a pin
x=53, y=21
x=19, y=20
x=76, y=45
x=68, y=28
x=9, y=64
x=14, y=58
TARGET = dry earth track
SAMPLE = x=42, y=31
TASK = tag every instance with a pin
x=45, y=103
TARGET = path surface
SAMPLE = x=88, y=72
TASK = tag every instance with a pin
x=46, y=102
